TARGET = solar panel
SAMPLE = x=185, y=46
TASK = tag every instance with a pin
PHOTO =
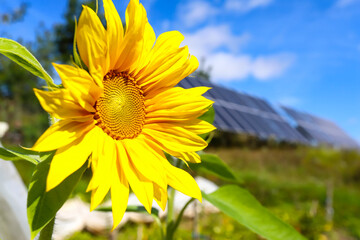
x=242, y=113
x=320, y=130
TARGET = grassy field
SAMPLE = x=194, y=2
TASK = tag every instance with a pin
x=294, y=183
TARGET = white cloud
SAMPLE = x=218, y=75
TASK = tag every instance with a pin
x=245, y=5
x=265, y=68
x=229, y=67
x=345, y=3
x=235, y=67
x=212, y=38
x=195, y=12
x=221, y=50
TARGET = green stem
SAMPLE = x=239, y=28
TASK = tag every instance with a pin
x=170, y=212
x=171, y=228
x=158, y=222
x=171, y=198
x=46, y=233
x=179, y=218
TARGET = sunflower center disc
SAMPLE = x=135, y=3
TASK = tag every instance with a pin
x=120, y=111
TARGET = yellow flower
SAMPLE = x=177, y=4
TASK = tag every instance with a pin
x=125, y=111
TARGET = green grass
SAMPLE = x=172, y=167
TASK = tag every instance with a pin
x=293, y=184
x=290, y=182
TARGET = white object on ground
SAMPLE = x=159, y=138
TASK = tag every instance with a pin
x=75, y=215
x=13, y=194
x=3, y=128
x=181, y=199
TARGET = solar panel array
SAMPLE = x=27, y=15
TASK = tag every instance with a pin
x=321, y=131
x=242, y=113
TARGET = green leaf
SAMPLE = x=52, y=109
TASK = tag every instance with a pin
x=24, y=58
x=139, y=209
x=11, y=155
x=209, y=116
x=41, y=205
x=212, y=164
x=239, y=204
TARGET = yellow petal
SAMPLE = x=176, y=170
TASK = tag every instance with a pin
x=98, y=195
x=94, y=160
x=91, y=42
x=80, y=85
x=62, y=105
x=168, y=64
x=161, y=68
x=142, y=187
x=114, y=32
x=102, y=176
x=160, y=196
x=165, y=115
x=182, y=181
x=184, y=156
x=198, y=126
x=171, y=93
x=68, y=159
x=166, y=44
x=146, y=161
x=173, y=137
x=133, y=42
x=61, y=134
x=148, y=42
x=119, y=195
x=176, y=105
x=184, y=101
x=192, y=157
x=173, y=76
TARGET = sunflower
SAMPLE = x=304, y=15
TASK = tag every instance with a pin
x=125, y=111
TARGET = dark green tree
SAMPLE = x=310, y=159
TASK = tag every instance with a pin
x=15, y=15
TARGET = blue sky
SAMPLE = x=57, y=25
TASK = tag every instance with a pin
x=304, y=54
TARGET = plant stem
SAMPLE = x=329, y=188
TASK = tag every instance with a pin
x=171, y=198
x=158, y=222
x=170, y=212
x=179, y=218
x=46, y=233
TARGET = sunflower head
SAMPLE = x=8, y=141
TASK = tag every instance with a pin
x=125, y=111
x=120, y=111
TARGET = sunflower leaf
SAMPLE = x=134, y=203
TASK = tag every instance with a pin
x=209, y=117
x=213, y=165
x=239, y=204
x=24, y=58
x=11, y=155
x=41, y=205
